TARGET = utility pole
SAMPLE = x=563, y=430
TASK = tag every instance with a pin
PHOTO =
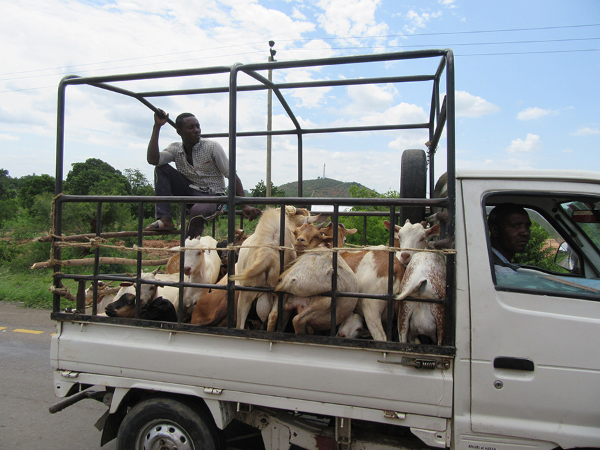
x=269, y=118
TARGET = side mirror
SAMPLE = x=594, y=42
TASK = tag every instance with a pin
x=566, y=258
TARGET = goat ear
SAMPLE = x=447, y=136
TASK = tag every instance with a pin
x=407, y=222
x=386, y=223
x=351, y=231
x=433, y=231
x=126, y=284
x=311, y=219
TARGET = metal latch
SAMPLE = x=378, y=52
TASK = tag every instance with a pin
x=69, y=374
x=420, y=363
x=216, y=391
x=394, y=415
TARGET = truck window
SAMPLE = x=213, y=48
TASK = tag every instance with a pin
x=544, y=244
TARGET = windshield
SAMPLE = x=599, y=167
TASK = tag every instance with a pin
x=586, y=216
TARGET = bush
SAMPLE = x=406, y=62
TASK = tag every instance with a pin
x=377, y=234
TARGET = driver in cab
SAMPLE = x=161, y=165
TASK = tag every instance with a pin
x=510, y=230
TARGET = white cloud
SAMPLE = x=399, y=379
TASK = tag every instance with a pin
x=370, y=97
x=351, y=18
x=586, y=131
x=468, y=105
x=8, y=137
x=417, y=21
x=535, y=113
x=530, y=144
x=447, y=3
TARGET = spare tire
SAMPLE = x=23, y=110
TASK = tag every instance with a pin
x=413, y=184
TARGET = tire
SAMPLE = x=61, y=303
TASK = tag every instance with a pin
x=413, y=184
x=165, y=423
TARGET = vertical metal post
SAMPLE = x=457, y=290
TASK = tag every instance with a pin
x=269, y=119
x=451, y=259
x=334, y=262
x=232, y=193
x=57, y=225
x=269, y=128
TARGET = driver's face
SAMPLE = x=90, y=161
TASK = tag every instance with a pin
x=512, y=235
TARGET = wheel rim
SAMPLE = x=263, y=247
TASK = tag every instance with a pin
x=163, y=435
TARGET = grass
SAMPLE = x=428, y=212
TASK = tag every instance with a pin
x=30, y=289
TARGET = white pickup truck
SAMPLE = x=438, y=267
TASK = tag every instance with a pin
x=517, y=368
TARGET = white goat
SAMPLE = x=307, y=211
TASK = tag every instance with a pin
x=311, y=274
x=202, y=266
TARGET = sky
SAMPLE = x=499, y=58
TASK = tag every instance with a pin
x=526, y=96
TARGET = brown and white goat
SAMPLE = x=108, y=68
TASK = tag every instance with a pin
x=425, y=278
x=372, y=272
x=311, y=274
x=258, y=262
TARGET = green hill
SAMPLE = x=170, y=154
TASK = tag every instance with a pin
x=321, y=187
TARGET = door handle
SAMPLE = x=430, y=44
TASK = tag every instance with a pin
x=507, y=362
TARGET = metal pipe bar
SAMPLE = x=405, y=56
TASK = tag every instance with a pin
x=151, y=75
x=345, y=201
x=296, y=85
x=379, y=57
x=279, y=95
x=451, y=164
x=414, y=126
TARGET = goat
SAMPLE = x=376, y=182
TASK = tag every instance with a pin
x=211, y=308
x=158, y=308
x=173, y=265
x=202, y=266
x=312, y=309
x=411, y=236
x=425, y=278
x=354, y=328
x=309, y=236
x=372, y=269
x=310, y=275
x=258, y=261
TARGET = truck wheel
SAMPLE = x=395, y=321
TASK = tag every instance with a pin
x=166, y=424
x=413, y=184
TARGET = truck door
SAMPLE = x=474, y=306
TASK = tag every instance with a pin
x=535, y=367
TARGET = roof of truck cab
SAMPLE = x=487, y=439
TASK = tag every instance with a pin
x=580, y=176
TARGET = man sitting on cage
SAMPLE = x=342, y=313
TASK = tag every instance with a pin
x=200, y=170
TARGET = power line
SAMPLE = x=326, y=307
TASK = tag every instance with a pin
x=358, y=48
x=309, y=39
x=131, y=59
x=444, y=33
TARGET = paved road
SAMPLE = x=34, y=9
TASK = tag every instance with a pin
x=27, y=391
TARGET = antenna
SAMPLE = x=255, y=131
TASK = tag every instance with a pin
x=323, y=170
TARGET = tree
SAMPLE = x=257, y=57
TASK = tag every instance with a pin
x=32, y=186
x=96, y=177
x=7, y=185
x=538, y=253
x=140, y=186
x=8, y=204
x=260, y=190
x=377, y=234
